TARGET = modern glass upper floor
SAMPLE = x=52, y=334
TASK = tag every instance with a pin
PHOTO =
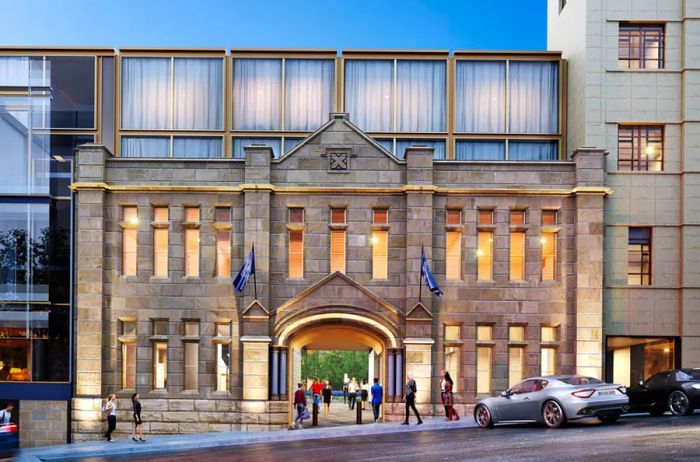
x=210, y=103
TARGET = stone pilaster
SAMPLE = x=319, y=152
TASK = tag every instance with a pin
x=419, y=221
x=590, y=197
x=419, y=364
x=256, y=367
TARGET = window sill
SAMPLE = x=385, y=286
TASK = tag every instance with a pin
x=159, y=279
x=192, y=279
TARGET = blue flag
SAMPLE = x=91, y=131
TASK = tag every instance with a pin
x=429, y=279
x=245, y=272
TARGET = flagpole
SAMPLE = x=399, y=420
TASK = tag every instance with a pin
x=420, y=283
x=255, y=279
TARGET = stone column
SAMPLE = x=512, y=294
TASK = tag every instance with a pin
x=88, y=310
x=283, y=374
x=419, y=364
x=590, y=195
x=391, y=368
x=275, y=374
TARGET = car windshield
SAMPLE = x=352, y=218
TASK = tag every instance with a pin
x=579, y=380
x=688, y=374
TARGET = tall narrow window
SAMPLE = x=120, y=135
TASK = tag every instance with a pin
x=639, y=257
x=160, y=241
x=453, y=350
x=128, y=343
x=484, y=251
x=337, y=240
x=296, y=242
x=549, y=245
x=548, y=351
x=130, y=221
x=191, y=241
x=191, y=346
x=641, y=46
x=223, y=241
x=453, y=246
x=640, y=147
x=223, y=355
x=380, y=244
x=517, y=246
x=516, y=354
x=160, y=353
x=484, y=347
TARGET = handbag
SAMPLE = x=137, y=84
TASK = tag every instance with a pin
x=305, y=415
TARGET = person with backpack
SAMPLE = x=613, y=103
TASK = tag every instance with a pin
x=111, y=409
x=138, y=423
x=410, y=399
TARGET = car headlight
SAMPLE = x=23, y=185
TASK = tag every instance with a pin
x=696, y=386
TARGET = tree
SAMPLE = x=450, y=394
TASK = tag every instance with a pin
x=334, y=364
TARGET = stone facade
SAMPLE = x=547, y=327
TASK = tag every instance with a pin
x=44, y=423
x=268, y=331
x=604, y=96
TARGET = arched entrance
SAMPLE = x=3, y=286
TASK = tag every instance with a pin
x=332, y=332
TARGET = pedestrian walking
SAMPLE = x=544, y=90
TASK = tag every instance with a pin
x=410, y=399
x=446, y=385
x=137, y=425
x=442, y=394
x=6, y=414
x=353, y=388
x=300, y=405
x=316, y=389
x=327, y=397
x=364, y=393
x=377, y=392
x=110, y=408
x=346, y=384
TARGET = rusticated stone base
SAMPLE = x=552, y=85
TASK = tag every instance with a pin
x=42, y=423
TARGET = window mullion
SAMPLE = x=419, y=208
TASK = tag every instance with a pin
x=283, y=95
x=395, y=102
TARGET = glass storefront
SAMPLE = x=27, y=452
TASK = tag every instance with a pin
x=630, y=360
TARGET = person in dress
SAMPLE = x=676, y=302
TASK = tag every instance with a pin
x=327, y=397
x=448, y=397
x=364, y=393
x=137, y=425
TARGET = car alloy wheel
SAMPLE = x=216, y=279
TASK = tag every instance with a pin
x=483, y=416
x=552, y=414
x=678, y=403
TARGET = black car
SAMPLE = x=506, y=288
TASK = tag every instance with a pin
x=677, y=391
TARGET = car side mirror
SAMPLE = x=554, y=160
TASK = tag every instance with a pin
x=506, y=394
x=641, y=383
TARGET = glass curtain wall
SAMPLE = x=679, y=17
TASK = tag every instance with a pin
x=273, y=95
x=168, y=95
x=505, y=99
x=47, y=108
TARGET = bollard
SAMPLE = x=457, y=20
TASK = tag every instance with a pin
x=359, y=412
x=314, y=417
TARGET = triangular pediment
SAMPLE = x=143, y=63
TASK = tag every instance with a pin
x=255, y=311
x=337, y=134
x=338, y=293
x=419, y=313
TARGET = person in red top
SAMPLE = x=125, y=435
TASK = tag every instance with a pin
x=300, y=405
x=316, y=390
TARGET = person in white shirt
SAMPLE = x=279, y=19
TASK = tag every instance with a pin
x=353, y=388
x=6, y=414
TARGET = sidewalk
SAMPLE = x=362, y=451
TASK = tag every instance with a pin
x=167, y=444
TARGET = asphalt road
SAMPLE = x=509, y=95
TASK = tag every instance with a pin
x=631, y=439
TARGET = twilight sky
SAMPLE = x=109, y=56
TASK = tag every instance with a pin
x=338, y=24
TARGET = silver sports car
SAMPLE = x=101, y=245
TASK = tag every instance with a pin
x=553, y=400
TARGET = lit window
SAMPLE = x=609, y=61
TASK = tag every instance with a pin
x=223, y=241
x=549, y=246
x=296, y=253
x=485, y=217
x=453, y=255
x=548, y=352
x=641, y=46
x=484, y=255
x=453, y=353
x=160, y=365
x=337, y=241
x=128, y=341
x=380, y=254
x=160, y=241
x=223, y=356
x=192, y=241
x=483, y=359
x=639, y=257
x=454, y=217
x=129, y=243
x=380, y=217
x=516, y=355
x=517, y=247
x=640, y=148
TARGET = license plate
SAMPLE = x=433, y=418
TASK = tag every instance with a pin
x=606, y=393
